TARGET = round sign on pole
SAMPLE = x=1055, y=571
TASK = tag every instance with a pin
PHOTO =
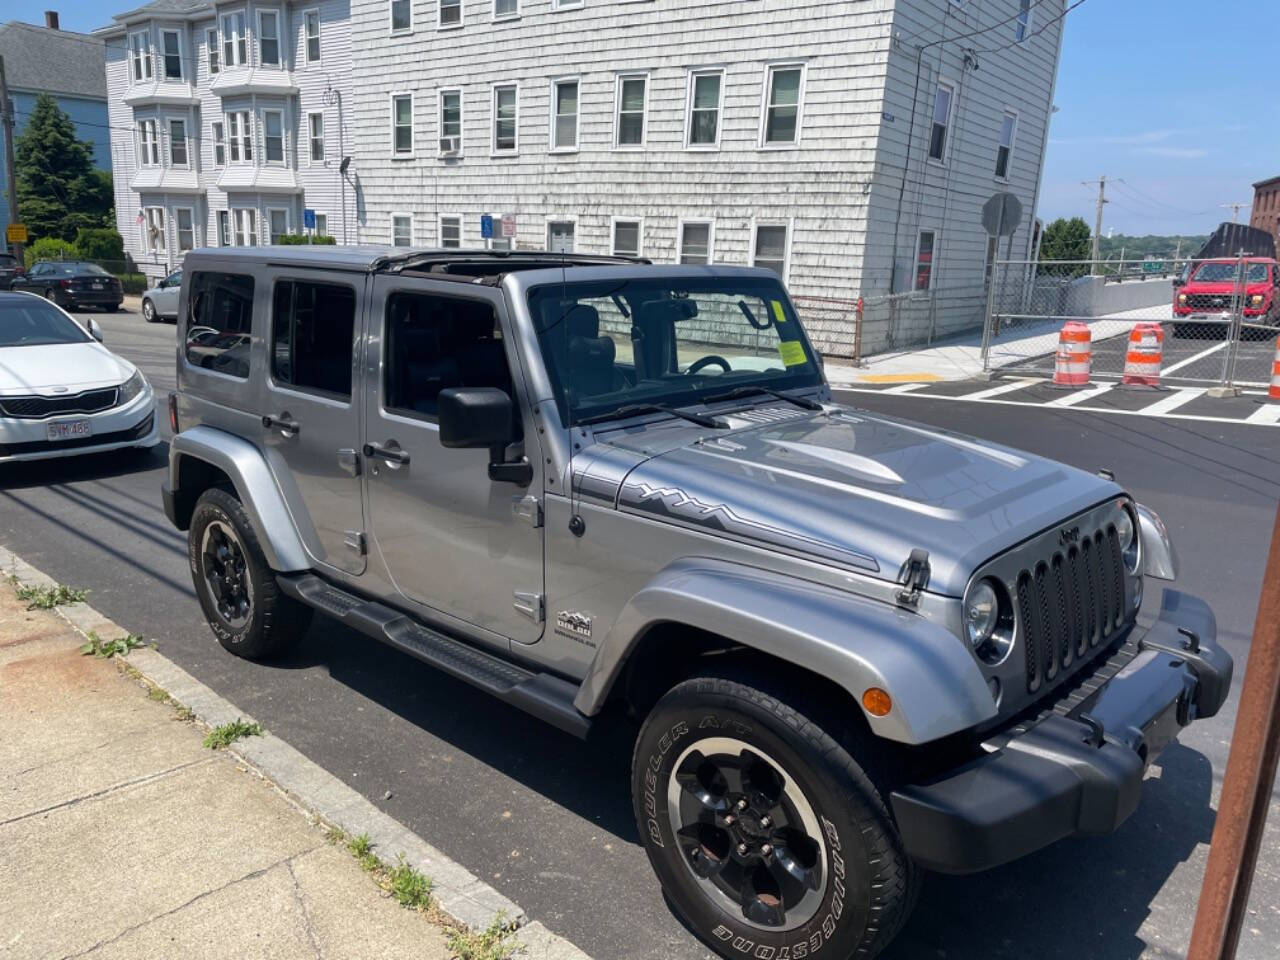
x=1002, y=214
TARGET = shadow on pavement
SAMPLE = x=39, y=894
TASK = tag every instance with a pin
x=89, y=466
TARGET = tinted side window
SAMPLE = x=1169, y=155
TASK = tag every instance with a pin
x=312, y=326
x=433, y=343
x=219, y=322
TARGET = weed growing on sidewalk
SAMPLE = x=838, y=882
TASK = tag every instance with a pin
x=362, y=849
x=182, y=713
x=229, y=733
x=410, y=886
x=46, y=598
x=106, y=649
x=492, y=943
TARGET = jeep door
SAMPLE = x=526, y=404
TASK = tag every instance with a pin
x=310, y=414
x=449, y=537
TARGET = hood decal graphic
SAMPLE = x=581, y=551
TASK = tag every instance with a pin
x=871, y=469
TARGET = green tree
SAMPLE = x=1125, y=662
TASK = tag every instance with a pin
x=100, y=243
x=1065, y=240
x=59, y=191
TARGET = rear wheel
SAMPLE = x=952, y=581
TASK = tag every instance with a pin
x=236, y=587
x=767, y=835
x=148, y=311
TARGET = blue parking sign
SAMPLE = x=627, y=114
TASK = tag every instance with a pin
x=486, y=227
x=309, y=219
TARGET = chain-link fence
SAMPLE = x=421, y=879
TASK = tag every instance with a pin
x=1220, y=317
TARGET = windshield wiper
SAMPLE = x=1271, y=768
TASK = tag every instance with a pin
x=634, y=409
x=740, y=392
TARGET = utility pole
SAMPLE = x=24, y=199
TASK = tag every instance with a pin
x=1235, y=209
x=1097, y=225
x=11, y=187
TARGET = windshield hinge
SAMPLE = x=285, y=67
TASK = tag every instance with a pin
x=914, y=576
x=528, y=509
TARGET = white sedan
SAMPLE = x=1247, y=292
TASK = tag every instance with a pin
x=62, y=392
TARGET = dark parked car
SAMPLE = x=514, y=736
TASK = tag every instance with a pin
x=9, y=268
x=71, y=284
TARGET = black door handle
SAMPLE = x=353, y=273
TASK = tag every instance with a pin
x=386, y=453
x=284, y=422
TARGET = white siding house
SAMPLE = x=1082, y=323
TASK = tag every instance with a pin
x=228, y=121
x=789, y=133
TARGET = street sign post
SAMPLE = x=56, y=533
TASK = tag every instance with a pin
x=309, y=219
x=16, y=233
x=486, y=227
x=1002, y=214
x=508, y=225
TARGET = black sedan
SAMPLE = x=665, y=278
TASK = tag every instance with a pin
x=71, y=284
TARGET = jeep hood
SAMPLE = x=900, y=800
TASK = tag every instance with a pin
x=853, y=488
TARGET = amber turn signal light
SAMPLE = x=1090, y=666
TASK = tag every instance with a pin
x=877, y=702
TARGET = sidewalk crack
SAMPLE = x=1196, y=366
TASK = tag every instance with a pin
x=306, y=914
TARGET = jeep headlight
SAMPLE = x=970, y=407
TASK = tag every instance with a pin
x=132, y=387
x=1127, y=533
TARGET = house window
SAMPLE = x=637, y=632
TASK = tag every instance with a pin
x=451, y=232
x=402, y=124
x=224, y=228
x=505, y=8
x=629, y=123
x=1004, y=150
x=211, y=49
x=273, y=136
x=219, y=144
x=1022, y=26
x=560, y=236
x=311, y=26
x=941, y=120
x=401, y=16
x=450, y=13
x=269, y=38
x=140, y=45
x=315, y=129
x=626, y=238
x=504, y=119
x=924, y=259
x=451, y=114
x=770, y=248
x=234, y=43
x=564, y=115
x=782, y=105
x=171, y=43
x=277, y=223
x=695, y=242
x=185, y=223
x=565, y=4
x=153, y=230
x=401, y=230
x=177, y=143
x=246, y=224
x=703, y=122
x=498, y=241
x=322, y=225
x=239, y=137
x=149, y=143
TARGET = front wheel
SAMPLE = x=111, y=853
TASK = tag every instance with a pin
x=766, y=834
x=148, y=311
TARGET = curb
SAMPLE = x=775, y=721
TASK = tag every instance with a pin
x=313, y=790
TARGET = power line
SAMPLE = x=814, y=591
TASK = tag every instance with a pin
x=1147, y=198
x=1034, y=33
x=965, y=36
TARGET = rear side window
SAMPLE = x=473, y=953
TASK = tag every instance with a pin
x=312, y=328
x=219, y=322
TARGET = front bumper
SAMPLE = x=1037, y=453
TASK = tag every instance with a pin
x=132, y=425
x=1078, y=773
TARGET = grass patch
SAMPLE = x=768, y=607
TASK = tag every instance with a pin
x=361, y=848
x=229, y=733
x=183, y=714
x=410, y=886
x=46, y=598
x=492, y=943
x=106, y=649
x=158, y=694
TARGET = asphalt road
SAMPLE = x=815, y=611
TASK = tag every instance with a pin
x=547, y=819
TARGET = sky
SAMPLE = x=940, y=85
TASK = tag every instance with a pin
x=1169, y=99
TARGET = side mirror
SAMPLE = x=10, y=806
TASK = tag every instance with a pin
x=479, y=417
x=95, y=331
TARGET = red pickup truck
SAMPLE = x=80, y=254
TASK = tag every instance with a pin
x=1207, y=298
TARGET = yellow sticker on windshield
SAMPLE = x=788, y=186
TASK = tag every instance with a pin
x=792, y=353
x=777, y=312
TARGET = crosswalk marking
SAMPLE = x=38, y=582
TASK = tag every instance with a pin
x=1174, y=400
x=906, y=388
x=1193, y=358
x=1270, y=413
x=1080, y=396
x=1004, y=388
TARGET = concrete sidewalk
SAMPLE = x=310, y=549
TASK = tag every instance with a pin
x=123, y=836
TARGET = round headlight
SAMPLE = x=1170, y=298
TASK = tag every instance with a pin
x=981, y=613
x=1127, y=533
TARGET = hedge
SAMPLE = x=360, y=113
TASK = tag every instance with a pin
x=132, y=282
x=302, y=240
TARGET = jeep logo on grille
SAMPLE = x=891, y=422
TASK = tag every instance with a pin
x=1068, y=535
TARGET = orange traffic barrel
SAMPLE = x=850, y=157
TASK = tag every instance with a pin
x=1146, y=352
x=1071, y=366
x=1274, y=392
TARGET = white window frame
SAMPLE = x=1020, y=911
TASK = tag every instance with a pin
x=766, y=103
x=311, y=140
x=267, y=222
x=235, y=42
x=284, y=139
x=933, y=260
x=440, y=95
x=246, y=217
x=240, y=132
x=558, y=5
x=140, y=58
x=440, y=229
x=440, y=24
x=401, y=216
x=620, y=79
x=501, y=17
x=556, y=84
x=691, y=84
x=186, y=142
x=946, y=138
x=613, y=235
x=566, y=218
x=306, y=36
x=218, y=136
x=222, y=223
x=1008, y=114
x=262, y=35
x=494, y=150
x=498, y=241
x=177, y=228
x=391, y=101
x=164, y=56
x=1022, y=23
x=321, y=228
x=710, y=224
x=786, y=253
x=148, y=142
x=154, y=217
x=212, y=51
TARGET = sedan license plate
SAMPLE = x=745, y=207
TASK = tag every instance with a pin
x=97, y=286
x=69, y=429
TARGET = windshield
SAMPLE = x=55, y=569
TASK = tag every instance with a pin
x=610, y=344
x=28, y=322
x=1228, y=272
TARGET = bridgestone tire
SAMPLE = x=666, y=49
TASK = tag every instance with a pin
x=870, y=884
x=275, y=621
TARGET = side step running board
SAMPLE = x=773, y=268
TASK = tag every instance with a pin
x=545, y=696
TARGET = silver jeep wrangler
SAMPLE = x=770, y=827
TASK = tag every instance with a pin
x=857, y=647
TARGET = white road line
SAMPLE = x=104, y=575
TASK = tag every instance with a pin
x=1192, y=359
x=1004, y=388
x=1071, y=399
x=904, y=388
x=1266, y=414
x=1174, y=400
